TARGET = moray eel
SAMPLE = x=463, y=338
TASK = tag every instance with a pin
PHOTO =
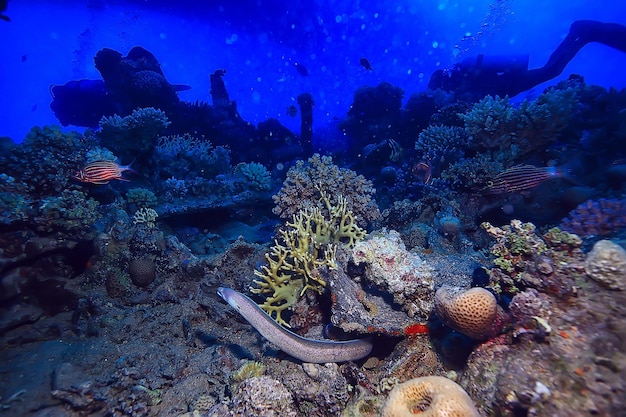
x=307, y=350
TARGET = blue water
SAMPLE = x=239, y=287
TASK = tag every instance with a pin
x=259, y=43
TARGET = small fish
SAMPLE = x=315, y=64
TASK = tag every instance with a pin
x=521, y=178
x=292, y=110
x=423, y=170
x=180, y=87
x=617, y=170
x=366, y=64
x=101, y=172
x=302, y=70
x=24, y=58
x=3, y=8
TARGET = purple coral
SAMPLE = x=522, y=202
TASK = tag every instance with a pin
x=596, y=217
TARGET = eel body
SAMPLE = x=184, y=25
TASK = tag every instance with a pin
x=307, y=350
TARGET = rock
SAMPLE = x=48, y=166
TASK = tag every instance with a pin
x=606, y=264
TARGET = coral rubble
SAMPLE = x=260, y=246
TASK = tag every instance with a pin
x=404, y=275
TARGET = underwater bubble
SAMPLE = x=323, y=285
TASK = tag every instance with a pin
x=232, y=39
x=508, y=209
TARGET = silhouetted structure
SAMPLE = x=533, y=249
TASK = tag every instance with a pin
x=477, y=77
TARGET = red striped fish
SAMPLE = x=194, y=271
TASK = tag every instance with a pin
x=520, y=178
x=101, y=172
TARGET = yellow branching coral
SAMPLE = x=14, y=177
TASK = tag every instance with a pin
x=248, y=369
x=147, y=216
x=308, y=242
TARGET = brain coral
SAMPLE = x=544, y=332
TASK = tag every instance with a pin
x=142, y=272
x=307, y=180
x=429, y=396
x=472, y=312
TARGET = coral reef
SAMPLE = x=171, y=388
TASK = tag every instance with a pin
x=447, y=223
x=53, y=156
x=318, y=390
x=98, y=153
x=491, y=123
x=596, y=218
x=429, y=396
x=548, y=116
x=142, y=271
x=389, y=266
x=141, y=198
x=567, y=363
x=71, y=213
x=185, y=156
x=91, y=274
x=262, y=396
x=307, y=243
x=525, y=260
x=305, y=180
x=363, y=309
x=440, y=143
x=248, y=369
x=494, y=123
x=255, y=174
x=133, y=135
x=473, y=312
x=374, y=112
x=147, y=216
x=470, y=174
x=14, y=201
x=606, y=264
x=183, y=145
x=529, y=303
